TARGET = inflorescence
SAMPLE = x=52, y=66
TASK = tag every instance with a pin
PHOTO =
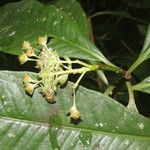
x=54, y=71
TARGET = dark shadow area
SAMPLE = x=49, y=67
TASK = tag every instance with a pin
x=10, y=62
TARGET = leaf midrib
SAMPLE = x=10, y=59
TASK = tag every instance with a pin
x=122, y=135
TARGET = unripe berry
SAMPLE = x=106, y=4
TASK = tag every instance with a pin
x=42, y=40
x=29, y=88
x=23, y=58
x=62, y=79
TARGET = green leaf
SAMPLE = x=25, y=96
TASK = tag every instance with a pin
x=31, y=19
x=146, y=46
x=32, y=123
x=75, y=51
x=145, y=53
x=73, y=9
x=20, y=134
x=143, y=86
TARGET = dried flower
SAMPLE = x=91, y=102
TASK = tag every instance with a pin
x=49, y=96
x=30, y=52
x=23, y=58
x=74, y=113
x=26, y=78
x=42, y=40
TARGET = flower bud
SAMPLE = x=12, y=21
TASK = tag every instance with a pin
x=30, y=52
x=42, y=40
x=23, y=58
x=62, y=79
x=29, y=88
x=26, y=78
x=26, y=45
x=39, y=64
x=74, y=113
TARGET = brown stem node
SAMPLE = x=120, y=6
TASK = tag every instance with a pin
x=127, y=75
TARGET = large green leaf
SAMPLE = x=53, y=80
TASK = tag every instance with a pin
x=32, y=123
x=27, y=20
x=143, y=86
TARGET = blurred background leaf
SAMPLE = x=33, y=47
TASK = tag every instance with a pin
x=143, y=86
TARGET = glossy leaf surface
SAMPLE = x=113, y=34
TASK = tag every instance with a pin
x=28, y=20
x=32, y=123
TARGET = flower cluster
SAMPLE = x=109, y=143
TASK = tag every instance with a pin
x=54, y=71
x=49, y=63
